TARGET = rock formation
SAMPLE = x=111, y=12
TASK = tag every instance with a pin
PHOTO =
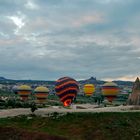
x=134, y=97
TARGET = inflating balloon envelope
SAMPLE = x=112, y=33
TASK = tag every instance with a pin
x=41, y=93
x=24, y=91
x=110, y=90
x=89, y=89
x=66, y=88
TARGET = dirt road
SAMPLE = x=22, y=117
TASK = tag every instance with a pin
x=74, y=108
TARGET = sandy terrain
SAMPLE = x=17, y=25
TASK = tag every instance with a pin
x=74, y=108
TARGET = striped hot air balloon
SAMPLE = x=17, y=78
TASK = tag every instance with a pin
x=66, y=88
x=89, y=89
x=41, y=93
x=110, y=90
x=24, y=91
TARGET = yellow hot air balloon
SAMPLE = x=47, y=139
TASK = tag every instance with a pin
x=110, y=90
x=89, y=89
x=24, y=91
x=41, y=93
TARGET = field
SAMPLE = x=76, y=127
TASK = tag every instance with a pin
x=72, y=126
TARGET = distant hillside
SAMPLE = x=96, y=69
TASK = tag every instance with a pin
x=91, y=80
x=2, y=78
x=11, y=81
x=128, y=83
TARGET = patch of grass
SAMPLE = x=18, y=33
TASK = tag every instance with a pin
x=81, y=126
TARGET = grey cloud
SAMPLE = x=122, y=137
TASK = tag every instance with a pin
x=51, y=45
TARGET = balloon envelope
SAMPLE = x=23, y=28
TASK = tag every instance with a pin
x=24, y=91
x=66, y=88
x=110, y=90
x=89, y=89
x=41, y=93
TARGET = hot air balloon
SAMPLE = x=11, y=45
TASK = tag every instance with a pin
x=24, y=91
x=89, y=89
x=66, y=88
x=41, y=93
x=110, y=90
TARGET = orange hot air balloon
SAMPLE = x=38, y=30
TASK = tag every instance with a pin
x=110, y=90
x=89, y=89
x=41, y=93
x=24, y=91
x=66, y=88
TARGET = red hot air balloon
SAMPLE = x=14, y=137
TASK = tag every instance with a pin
x=66, y=88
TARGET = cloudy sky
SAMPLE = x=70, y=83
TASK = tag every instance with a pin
x=48, y=39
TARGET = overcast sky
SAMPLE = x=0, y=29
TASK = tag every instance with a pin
x=49, y=39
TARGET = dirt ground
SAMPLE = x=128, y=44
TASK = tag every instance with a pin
x=9, y=133
x=75, y=108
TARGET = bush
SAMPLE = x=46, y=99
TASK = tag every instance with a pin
x=11, y=103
